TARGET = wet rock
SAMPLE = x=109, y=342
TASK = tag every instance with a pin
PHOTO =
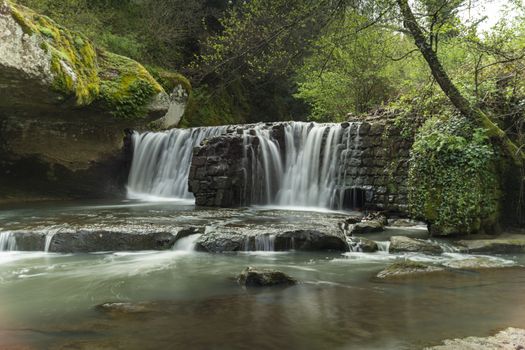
x=402, y=244
x=478, y=262
x=354, y=219
x=376, y=217
x=366, y=227
x=185, y=232
x=310, y=240
x=124, y=308
x=93, y=241
x=495, y=246
x=359, y=244
x=254, y=277
x=27, y=241
x=221, y=241
x=406, y=268
x=508, y=339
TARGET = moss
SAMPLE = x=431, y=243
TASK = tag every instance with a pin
x=169, y=80
x=453, y=179
x=126, y=86
x=73, y=57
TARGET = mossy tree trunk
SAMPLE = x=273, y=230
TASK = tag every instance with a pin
x=452, y=92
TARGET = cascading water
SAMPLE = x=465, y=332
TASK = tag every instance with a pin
x=293, y=164
x=7, y=241
x=308, y=170
x=161, y=162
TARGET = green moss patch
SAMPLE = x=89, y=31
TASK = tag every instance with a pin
x=169, y=80
x=453, y=178
x=73, y=57
x=126, y=86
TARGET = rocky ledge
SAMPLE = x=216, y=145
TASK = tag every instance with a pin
x=64, y=108
x=271, y=238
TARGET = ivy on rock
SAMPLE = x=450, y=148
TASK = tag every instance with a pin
x=453, y=178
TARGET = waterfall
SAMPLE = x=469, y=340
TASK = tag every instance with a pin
x=306, y=170
x=288, y=164
x=161, y=162
x=187, y=243
x=7, y=241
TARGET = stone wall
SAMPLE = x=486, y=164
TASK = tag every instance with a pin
x=374, y=166
x=217, y=175
x=377, y=170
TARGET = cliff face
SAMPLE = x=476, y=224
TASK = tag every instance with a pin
x=65, y=106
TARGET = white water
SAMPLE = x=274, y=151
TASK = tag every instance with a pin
x=310, y=169
x=161, y=162
x=187, y=243
x=265, y=243
x=7, y=241
x=305, y=169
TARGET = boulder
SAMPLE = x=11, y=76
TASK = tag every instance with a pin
x=311, y=240
x=366, y=227
x=359, y=244
x=512, y=245
x=254, y=277
x=402, y=244
x=406, y=268
x=221, y=241
x=64, y=109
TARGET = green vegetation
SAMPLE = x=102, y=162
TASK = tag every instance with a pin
x=453, y=179
x=126, y=86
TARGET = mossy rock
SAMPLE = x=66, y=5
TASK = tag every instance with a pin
x=169, y=80
x=454, y=182
x=73, y=56
x=87, y=76
x=126, y=86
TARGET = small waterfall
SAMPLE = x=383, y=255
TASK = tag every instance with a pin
x=383, y=246
x=186, y=244
x=265, y=243
x=7, y=241
x=161, y=161
x=260, y=243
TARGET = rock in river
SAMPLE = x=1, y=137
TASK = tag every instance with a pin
x=508, y=339
x=254, y=277
x=402, y=244
x=405, y=268
x=506, y=245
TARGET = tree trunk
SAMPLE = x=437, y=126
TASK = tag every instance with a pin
x=452, y=92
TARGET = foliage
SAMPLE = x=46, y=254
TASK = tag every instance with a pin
x=350, y=71
x=453, y=182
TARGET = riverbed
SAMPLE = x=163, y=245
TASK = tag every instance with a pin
x=180, y=298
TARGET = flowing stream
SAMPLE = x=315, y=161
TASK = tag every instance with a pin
x=180, y=298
